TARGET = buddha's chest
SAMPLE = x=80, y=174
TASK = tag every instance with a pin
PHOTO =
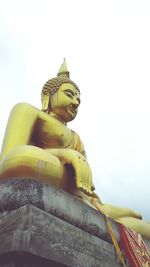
x=52, y=133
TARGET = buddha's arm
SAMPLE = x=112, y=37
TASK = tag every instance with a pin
x=83, y=175
x=19, y=127
x=80, y=148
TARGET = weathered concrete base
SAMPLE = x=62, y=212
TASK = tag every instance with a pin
x=15, y=193
x=41, y=226
x=35, y=232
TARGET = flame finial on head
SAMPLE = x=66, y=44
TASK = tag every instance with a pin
x=63, y=69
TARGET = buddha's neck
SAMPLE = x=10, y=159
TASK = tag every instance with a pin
x=57, y=117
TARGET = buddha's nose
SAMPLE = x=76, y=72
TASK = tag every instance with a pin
x=75, y=103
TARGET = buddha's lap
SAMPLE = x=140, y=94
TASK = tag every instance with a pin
x=31, y=161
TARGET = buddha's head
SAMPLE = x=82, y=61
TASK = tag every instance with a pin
x=61, y=96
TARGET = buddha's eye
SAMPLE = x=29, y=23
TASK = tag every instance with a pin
x=69, y=94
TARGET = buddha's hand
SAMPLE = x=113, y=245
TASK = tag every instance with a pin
x=83, y=174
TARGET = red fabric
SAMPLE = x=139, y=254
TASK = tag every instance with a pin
x=134, y=247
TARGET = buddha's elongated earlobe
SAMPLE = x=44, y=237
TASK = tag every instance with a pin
x=45, y=97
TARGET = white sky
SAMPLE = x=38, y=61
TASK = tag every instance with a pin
x=107, y=47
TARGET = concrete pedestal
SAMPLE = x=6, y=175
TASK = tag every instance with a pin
x=41, y=226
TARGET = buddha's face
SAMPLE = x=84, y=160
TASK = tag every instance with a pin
x=64, y=103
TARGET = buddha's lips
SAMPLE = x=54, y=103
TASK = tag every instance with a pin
x=72, y=109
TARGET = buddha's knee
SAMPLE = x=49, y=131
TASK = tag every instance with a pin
x=117, y=212
x=32, y=162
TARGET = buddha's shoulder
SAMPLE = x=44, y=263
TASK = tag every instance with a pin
x=24, y=106
x=74, y=133
x=75, y=136
x=26, y=109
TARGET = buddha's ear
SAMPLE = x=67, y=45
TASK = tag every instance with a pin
x=45, y=97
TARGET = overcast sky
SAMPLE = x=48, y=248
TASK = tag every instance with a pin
x=107, y=48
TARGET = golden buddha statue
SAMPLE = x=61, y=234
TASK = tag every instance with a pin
x=38, y=144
